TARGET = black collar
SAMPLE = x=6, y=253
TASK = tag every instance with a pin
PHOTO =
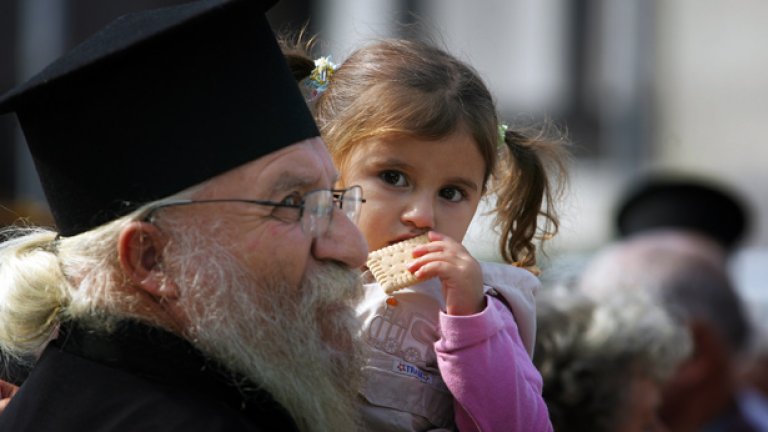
x=161, y=356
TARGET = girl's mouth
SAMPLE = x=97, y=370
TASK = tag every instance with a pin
x=405, y=237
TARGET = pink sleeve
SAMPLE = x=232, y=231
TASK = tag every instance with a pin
x=495, y=385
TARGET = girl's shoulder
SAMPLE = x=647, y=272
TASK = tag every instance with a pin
x=516, y=288
x=501, y=275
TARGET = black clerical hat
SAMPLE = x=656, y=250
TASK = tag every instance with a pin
x=154, y=103
x=675, y=201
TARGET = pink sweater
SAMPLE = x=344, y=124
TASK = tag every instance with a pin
x=493, y=381
x=426, y=370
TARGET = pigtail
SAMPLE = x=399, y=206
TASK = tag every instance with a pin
x=530, y=178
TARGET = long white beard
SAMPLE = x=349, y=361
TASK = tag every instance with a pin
x=296, y=343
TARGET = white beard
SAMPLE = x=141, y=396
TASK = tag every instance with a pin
x=296, y=343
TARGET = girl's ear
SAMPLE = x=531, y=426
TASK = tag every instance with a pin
x=140, y=248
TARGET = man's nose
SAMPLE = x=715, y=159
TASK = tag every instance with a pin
x=343, y=242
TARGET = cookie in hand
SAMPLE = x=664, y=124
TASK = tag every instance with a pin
x=388, y=264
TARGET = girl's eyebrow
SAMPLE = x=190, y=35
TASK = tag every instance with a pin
x=467, y=183
x=389, y=161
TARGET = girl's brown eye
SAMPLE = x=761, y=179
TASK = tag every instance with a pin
x=451, y=194
x=394, y=178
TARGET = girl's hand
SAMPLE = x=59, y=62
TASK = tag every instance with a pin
x=459, y=273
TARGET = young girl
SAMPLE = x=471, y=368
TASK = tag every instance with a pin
x=418, y=130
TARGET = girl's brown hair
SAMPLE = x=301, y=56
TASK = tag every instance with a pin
x=401, y=87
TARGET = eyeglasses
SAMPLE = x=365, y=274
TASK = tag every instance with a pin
x=315, y=210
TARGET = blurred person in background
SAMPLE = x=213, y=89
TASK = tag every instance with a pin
x=677, y=234
x=604, y=362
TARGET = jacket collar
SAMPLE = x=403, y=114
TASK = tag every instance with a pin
x=160, y=356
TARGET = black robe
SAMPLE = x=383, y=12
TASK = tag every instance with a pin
x=137, y=378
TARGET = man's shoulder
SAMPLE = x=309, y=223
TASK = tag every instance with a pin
x=66, y=392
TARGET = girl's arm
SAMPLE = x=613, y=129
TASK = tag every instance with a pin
x=489, y=372
x=481, y=355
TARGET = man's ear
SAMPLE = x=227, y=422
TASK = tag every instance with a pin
x=709, y=352
x=140, y=248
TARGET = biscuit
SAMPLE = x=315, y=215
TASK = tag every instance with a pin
x=388, y=264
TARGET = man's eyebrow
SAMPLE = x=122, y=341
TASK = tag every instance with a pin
x=290, y=180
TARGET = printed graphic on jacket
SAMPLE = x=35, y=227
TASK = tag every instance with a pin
x=403, y=333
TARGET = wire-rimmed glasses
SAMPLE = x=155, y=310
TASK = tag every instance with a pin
x=315, y=210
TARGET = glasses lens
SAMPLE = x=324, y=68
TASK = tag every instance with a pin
x=351, y=201
x=318, y=207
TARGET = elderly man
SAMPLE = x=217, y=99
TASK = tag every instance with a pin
x=202, y=268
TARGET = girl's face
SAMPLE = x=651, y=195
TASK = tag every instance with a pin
x=412, y=186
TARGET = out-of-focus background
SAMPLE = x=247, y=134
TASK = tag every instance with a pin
x=638, y=85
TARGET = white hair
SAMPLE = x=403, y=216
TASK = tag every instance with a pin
x=588, y=352
x=682, y=271
x=45, y=279
x=296, y=342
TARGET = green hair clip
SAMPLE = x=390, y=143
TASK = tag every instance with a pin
x=502, y=134
x=321, y=75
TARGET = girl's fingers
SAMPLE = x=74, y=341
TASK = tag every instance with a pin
x=424, y=249
x=435, y=236
x=450, y=264
x=431, y=269
x=435, y=241
x=443, y=244
x=438, y=253
x=426, y=256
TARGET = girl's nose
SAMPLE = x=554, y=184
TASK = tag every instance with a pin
x=420, y=213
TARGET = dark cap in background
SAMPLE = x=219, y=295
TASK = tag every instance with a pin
x=696, y=204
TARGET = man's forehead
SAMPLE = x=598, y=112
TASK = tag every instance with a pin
x=299, y=172
x=301, y=167
x=305, y=166
x=293, y=179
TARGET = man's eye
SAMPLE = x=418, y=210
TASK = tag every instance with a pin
x=394, y=178
x=294, y=199
x=451, y=194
